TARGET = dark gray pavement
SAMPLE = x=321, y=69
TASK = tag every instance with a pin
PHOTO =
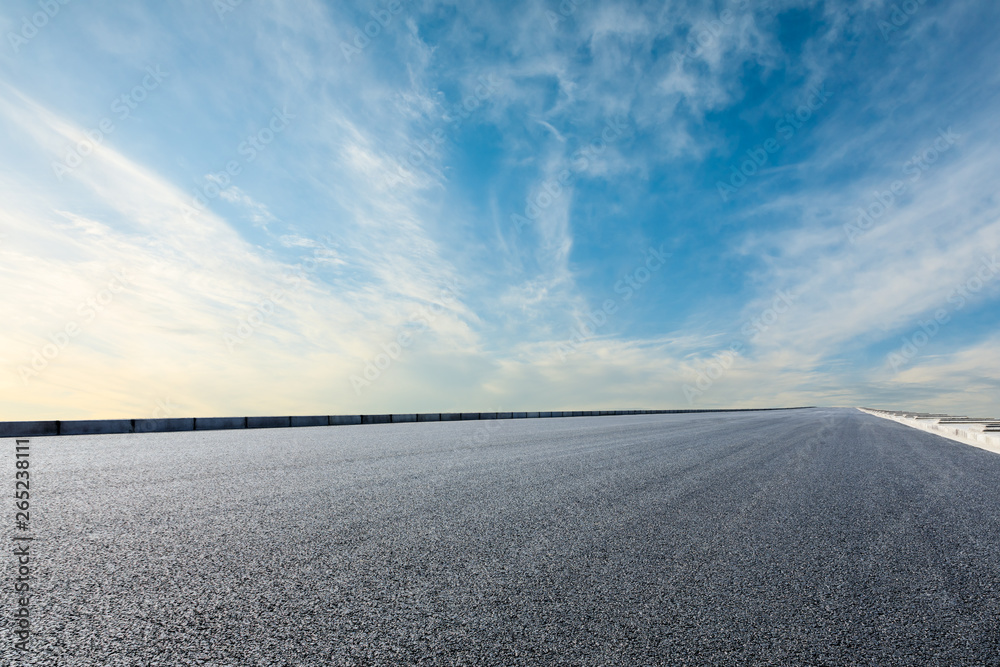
x=806, y=537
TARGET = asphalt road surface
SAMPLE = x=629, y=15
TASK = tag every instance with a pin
x=806, y=537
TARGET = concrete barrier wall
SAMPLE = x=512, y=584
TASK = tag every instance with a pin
x=162, y=425
x=95, y=426
x=269, y=422
x=345, y=420
x=27, y=429
x=219, y=423
x=396, y=419
x=318, y=420
x=376, y=419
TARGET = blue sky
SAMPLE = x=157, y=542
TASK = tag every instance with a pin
x=229, y=208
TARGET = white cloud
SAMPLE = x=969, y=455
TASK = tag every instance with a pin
x=258, y=212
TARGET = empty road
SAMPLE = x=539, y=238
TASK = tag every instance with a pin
x=804, y=537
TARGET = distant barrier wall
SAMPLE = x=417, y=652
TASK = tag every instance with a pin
x=27, y=429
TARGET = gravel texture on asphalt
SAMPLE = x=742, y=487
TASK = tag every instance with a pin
x=806, y=537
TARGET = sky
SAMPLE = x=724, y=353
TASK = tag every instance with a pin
x=227, y=208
